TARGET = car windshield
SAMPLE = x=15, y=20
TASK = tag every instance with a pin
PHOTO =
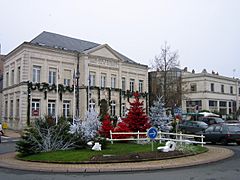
x=202, y=123
x=234, y=128
x=219, y=120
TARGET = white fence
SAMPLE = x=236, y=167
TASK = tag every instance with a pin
x=162, y=136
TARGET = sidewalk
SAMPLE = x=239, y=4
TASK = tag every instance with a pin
x=11, y=133
x=214, y=154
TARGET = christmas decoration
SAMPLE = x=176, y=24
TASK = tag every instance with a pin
x=106, y=127
x=158, y=115
x=136, y=119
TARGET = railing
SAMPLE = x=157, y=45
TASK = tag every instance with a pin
x=162, y=136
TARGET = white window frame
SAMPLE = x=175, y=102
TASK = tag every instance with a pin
x=52, y=75
x=131, y=85
x=140, y=86
x=92, y=104
x=66, y=108
x=52, y=108
x=66, y=82
x=92, y=79
x=36, y=105
x=113, y=81
x=36, y=74
x=103, y=80
x=113, y=108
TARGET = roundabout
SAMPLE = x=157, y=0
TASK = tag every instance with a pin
x=213, y=154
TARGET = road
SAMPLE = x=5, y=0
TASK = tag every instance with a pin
x=228, y=169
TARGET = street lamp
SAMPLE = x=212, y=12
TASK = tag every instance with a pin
x=77, y=92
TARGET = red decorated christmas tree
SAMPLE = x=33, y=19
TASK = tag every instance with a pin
x=106, y=127
x=136, y=119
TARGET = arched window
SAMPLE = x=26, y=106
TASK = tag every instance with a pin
x=91, y=104
x=113, y=108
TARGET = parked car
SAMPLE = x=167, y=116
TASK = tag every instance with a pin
x=211, y=120
x=223, y=133
x=192, y=127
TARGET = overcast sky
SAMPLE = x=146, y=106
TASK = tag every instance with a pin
x=206, y=33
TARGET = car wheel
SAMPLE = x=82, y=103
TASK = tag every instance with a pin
x=224, y=142
x=238, y=142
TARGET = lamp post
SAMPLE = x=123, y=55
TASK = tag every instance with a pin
x=77, y=89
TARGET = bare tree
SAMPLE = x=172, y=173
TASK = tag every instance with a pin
x=166, y=66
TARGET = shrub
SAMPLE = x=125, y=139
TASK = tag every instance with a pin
x=44, y=135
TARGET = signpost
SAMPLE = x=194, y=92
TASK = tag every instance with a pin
x=152, y=134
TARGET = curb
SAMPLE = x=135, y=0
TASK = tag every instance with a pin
x=214, y=154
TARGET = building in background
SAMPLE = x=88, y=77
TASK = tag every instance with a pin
x=173, y=87
x=102, y=76
x=1, y=82
x=210, y=91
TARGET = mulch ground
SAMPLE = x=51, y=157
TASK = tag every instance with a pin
x=136, y=157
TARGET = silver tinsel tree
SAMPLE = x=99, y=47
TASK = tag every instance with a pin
x=158, y=116
x=88, y=128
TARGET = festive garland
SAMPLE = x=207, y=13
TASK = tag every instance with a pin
x=50, y=87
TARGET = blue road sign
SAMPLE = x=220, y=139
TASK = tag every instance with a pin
x=152, y=133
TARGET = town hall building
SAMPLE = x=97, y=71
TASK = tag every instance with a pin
x=56, y=75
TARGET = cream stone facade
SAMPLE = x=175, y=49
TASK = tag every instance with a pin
x=32, y=70
x=210, y=91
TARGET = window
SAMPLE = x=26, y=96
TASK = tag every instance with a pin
x=91, y=104
x=52, y=76
x=51, y=107
x=67, y=78
x=19, y=75
x=6, y=108
x=92, y=79
x=123, y=84
x=66, y=108
x=103, y=80
x=123, y=109
x=212, y=87
x=66, y=82
x=222, y=88
x=223, y=103
x=213, y=103
x=113, y=81
x=11, y=108
x=140, y=86
x=17, y=108
x=131, y=85
x=12, y=77
x=193, y=87
x=36, y=74
x=113, y=108
x=231, y=90
x=35, y=107
x=7, y=79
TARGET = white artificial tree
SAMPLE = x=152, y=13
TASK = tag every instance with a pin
x=158, y=116
x=88, y=128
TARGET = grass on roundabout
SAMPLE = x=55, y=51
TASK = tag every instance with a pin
x=81, y=155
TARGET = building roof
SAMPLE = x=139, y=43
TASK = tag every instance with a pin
x=53, y=40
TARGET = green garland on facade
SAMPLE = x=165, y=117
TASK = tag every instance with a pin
x=45, y=87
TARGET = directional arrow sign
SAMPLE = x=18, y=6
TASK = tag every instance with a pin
x=152, y=133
